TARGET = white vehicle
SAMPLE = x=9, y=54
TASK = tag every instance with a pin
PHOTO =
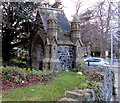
x=96, y=61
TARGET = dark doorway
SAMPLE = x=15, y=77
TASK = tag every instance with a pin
x=41, y=65
x=37, y=53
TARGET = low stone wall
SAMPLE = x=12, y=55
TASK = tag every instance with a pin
x=105, y=92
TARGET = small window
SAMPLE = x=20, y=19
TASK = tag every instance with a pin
x=93, y=60
x=54, y=47
x=78, y=48
x=97, y=60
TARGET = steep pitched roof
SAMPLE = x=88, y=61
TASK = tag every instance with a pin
x=65, y=42
x=64, y=39
x=62, y=21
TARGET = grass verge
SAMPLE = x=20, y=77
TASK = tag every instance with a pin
x=52, y=91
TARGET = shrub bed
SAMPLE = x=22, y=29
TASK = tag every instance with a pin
x=14, y=77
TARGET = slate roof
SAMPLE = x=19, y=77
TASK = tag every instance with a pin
x=64, y=42
x=61, y=20
x=64, y=39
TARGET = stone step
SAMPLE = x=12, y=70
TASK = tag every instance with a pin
x=68, y=100
x=75, y=95
x=88, y=93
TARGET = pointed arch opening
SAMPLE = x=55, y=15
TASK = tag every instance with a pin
x=37, y=53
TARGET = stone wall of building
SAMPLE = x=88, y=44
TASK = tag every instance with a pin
x=66, y=57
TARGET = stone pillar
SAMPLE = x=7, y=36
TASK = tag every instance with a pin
x=52, y=35
x=78, y=56
x=52, y=26
x=46, y=61
x=75, y=28
x=76, y=39
x=54, y=60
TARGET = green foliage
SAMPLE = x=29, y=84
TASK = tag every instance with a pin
x=95, y=84
x=60, y=30
x=17, y=25
x=92, y=84
x=74, y=70
x=34, y=72
x=0, y=59
x=39, y=72
x=81, y=63
x=13, y=72
x=83, y=86
x=17, y=60
x=93, y=70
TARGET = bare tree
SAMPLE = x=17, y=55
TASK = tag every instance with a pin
x=107, y=16
x=95, y=23
x=78, y=4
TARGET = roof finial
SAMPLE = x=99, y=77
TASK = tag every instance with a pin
x=75, y=18
x=52, y=16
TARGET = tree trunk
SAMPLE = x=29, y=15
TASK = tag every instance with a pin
x=6, y=45
x=6, y=52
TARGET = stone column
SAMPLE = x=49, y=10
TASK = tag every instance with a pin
x=52, y=26
x=46, y=61
x=75, y=28
x=54, y=60
x=78, y=57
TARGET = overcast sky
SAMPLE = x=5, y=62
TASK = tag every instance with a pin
x=69, y=6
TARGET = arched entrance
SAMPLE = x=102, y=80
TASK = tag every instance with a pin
x=37, y=53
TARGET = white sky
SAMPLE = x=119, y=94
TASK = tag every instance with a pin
x=69, y=6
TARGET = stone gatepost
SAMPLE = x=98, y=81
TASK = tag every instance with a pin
x=78, y=54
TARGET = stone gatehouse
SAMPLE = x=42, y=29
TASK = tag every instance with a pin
x=57, y=44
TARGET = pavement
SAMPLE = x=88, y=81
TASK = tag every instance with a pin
x=116, y=64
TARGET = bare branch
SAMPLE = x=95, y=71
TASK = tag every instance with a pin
x=78, y=5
